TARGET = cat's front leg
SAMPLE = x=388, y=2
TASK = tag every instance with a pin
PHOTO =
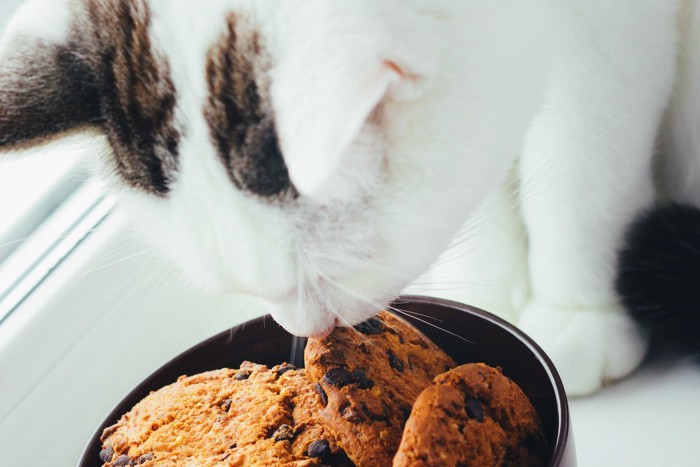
x=585, y=173
x=486, y=265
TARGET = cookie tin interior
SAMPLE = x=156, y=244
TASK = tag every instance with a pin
x=464, y=332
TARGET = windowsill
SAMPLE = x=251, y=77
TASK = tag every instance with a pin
x=34, y=179
x=106, y=318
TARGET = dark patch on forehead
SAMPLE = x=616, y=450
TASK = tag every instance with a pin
x=45, y=90
x=137, y=95
x=239, y=113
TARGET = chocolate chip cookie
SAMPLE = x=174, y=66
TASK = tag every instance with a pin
x=473, y=416
x=368, y=378
x=254, y=416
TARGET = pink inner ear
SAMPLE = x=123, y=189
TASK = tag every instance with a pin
x=403, y=74
x=408, y=86
x=319, y=117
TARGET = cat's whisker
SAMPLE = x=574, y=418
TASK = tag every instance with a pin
x=240, y=309
x=165, y=279
x=366, y=339
x=117, y=261
x=536, y=171
x=145, y=284
x=378, y=306
x=75, y=281
x=439, y=328
x=411, y=313
x=350, y=263
x=429, y=290
x=131, y=278
x=59, y=237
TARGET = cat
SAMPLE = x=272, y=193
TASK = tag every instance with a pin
x=321, y=155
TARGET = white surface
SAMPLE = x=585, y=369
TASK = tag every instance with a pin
x=114, y=313
x=649, y=419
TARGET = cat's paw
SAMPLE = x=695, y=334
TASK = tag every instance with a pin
x=589, y=346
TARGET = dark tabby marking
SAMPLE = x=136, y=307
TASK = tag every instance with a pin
x=137, y=94
x=108, y=75
x=239, y=114
x=44, y=90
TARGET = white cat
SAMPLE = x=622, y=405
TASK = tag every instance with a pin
x=322, y=154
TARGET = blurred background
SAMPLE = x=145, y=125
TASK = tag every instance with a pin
x=7, y=7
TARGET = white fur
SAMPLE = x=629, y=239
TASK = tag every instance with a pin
x=486, y=266
x=584, y=174
x=399, y=119
x=586, y=170
x=329, y=79
x=327, y=259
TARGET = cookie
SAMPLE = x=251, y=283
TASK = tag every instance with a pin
x=254, y=416
x=368, y=378
x=473, y=416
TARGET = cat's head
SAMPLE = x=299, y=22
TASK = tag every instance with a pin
x=317, y=154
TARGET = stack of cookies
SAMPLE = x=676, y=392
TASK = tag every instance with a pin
x=375, y=395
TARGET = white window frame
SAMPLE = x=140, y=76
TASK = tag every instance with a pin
x=110, y=313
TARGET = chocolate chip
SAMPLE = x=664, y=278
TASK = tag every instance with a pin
x=360, y=378
x=338, y=377
x=324, y=397
x=123, y=461
x=145, y=458
x=397, y=334
x=405, y=411
x=106, y=454
x=475, y=409
x=320, y=450
x=370, y=327
x=285, y=368
x=242, y=374
x=395, y=362
x=227, y=405
x=284, y=432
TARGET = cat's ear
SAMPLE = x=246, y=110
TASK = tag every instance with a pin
x=46, y=86
x=323, y=103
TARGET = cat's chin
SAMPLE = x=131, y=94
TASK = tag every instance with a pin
x=312, y=320
x=300, y=323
